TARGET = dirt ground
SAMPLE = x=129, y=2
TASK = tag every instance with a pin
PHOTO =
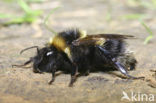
x=18, y=85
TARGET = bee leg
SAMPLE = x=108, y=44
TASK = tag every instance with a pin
x=52, y=79
x=26, y=63
x=73, y=75
x=124, y=71
x=53, y=70
x=116, y=63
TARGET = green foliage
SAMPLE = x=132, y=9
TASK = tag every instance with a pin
x=109, y=15
x=133, y=16
x=150, y=4
x=149, y=31
x=9, y=1
x=35, y=1
x=46, y=20
x=154, y=3
x=5, y=16
x=29, y=1
x=28, y=17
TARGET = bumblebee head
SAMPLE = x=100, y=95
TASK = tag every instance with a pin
x=45, y=60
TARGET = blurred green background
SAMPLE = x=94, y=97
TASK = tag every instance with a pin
x=14, y=12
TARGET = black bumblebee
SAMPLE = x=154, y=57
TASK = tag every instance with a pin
x=74, y=51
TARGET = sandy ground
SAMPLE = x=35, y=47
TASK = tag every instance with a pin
x=18, y=85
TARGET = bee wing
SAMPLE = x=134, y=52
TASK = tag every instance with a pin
x=85, y=41
x=114, y=36
x=91, y=39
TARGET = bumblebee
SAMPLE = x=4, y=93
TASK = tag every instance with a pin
x=76, y=51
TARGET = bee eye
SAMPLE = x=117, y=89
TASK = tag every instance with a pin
x=49, y=53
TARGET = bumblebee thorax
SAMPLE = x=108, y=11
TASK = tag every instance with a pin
x=58, y=42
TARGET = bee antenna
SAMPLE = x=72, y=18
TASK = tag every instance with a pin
x=30, y=48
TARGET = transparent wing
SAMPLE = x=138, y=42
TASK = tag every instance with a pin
x=91, y=39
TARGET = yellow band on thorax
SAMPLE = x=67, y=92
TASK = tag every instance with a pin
x=60, y=44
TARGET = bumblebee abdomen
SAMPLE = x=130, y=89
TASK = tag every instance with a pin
x=115, y=46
